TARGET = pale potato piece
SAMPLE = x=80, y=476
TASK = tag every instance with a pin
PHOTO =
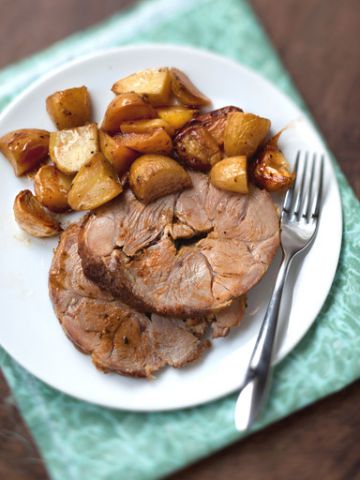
x=176, y=116
x=69, y=108
x=244, y=133
x=118, y=155
x=157, y=141
x=154, y=84
x=185, y=91
x=124, y=107
x=96, y=183
x=231, y=174
x=153, y=176
x=71, y=149
x=144, y=126
x=52, y=188
x=215, y=122
x=33, y=218
x=25, y=149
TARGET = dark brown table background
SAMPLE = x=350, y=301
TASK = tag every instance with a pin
x=318, y=41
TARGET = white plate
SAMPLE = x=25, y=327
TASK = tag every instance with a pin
x=29, y=329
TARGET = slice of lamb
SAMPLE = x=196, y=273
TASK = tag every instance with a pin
x=118, y=337
x=228, y=318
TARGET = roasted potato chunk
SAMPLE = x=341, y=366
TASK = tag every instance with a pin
x=176, y=116
x=25, y=149
x=145, y=126
x=244, y=133
x=96, y=183
x=71, y=149
x=197, y=148
x=185, y=91
x=33, y=218
x=157, y=141
x=52, y=188
x=271, y=170
x=69, y=108
x=118, y=155
x=231, y=174
x=215, y=121
x=153, y=176
x=124, y=107
x=155, y=85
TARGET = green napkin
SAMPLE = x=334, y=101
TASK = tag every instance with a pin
x=78, y=440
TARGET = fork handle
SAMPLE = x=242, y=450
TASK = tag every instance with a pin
x=253, y=391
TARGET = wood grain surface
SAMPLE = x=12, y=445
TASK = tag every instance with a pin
x=318, y=41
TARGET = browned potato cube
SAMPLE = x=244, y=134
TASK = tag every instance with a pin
x=197, y=148
x=69, y=108
x=153, y=176
x=96, y=183
x=244, y=133
x=118, y=155
x=25, y=149
x=231, y=174
x=32, y=217
x=124, y=107
x=71, y=149
x=176, y=116
x=215, y=122
x=154, y=84
x=185, y=91
x=157, y=141
x=52, y=188
x=145, y=126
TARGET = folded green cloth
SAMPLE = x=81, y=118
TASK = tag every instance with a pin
x=78, y=440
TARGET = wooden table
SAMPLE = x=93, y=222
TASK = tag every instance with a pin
x=318, y=42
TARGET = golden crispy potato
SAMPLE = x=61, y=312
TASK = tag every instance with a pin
x=244, y=133
x=157, y=141
x=71, y=149
x=145, y=126
x=118, y=155
x=25, y=149
x=176, y=116
x=124, y=107
x=69, y=108
x=155, y=85
x=185, y=91
x=231, y=174
x=153, y=176
x=95, y=184
x=32, y=217
x=215, y=121
x=196, y=147
x=271, y=170
x=52, y=188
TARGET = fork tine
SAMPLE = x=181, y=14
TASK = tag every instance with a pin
x=307, y=206
x=318, y=193
x=299, y=188
x=290, y=193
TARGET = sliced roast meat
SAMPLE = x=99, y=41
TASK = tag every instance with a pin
x=118, y=337
x=173, y=272
x=228, y=318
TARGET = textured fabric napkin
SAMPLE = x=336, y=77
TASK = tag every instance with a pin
x=78, y=440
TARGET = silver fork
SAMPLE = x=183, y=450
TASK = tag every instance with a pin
x=299, y=223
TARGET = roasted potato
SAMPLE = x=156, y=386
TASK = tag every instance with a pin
x=145, y=126
x=95, y=183
x=69, y=108
x=215, y=121
x=271, y=170
x=25, y=149
x=231, y=174
x=33, y=217
x=118, y=155
x=157, y=141
x=153, y=176
x=155, y=85
x=244, y=133
x=71, y=149
x=185, y=91
x=176, y=116
x=124, y=107
x=197, y=148
x=52, y=188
